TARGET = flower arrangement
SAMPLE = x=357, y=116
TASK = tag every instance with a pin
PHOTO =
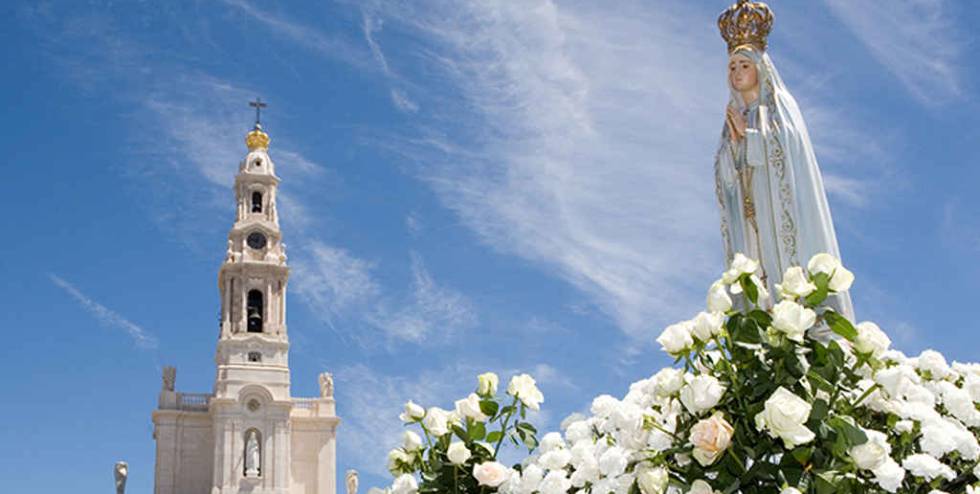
x=786, y=397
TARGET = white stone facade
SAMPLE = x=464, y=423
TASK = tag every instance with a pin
x=202, y=439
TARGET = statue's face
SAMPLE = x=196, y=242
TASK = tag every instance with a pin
x=742, y=74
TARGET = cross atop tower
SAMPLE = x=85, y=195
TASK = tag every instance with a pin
x=258, y=105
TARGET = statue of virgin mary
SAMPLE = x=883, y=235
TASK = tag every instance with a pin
x=769, y=188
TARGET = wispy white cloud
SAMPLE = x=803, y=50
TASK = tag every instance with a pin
x=569, y=147
x=915, y=40
x=106, y=316
x=329, y=46
x=853, y=192
x=333, y=282
x=431, y=308
x=340, y=286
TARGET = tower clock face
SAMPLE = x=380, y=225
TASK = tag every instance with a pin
x=255, y=240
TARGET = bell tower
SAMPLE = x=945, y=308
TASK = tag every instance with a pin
x=249, y=434
x=253, y=344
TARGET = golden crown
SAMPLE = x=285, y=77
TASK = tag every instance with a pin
x=746, y=23
x=257, y=139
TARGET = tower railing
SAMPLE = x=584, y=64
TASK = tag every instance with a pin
x=193, y=402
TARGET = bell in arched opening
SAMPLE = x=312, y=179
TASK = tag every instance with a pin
x=255, y=311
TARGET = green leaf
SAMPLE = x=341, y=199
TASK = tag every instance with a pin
x=840, y=325
x=850, y=432
x=460, y=432
x=761, y=317
x=819, y=409
x=489, y=407
x=527, y=426
x=748, y=287
x=494, y=436
x=822, y=280
x=477, y=431
x=819, y=381
x=802, y=455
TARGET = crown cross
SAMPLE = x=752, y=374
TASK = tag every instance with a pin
x=258, y=105
x=746, y=23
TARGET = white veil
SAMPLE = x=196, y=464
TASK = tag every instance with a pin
x=791, y=209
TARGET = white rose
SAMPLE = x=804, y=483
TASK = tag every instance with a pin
x=458, y=453
x=840, y=277
x=897, y=380
x=396, y=459
x=668, y=381
x=783, y=416
x=491, y=473
x=531, y=478
x=469, y=407
x=487, y=384
x=550, y=441
x=702, y=393
x=437, y=421
x=653, y=480
x=823, y=263
x=707, y=324
x=718, y=298
x=405, y=484
x=873, y=453
x=701, y=487
x=795, y=284
x=871, y=339
x=613, y=462
x=842, y=280
x=523, y=388
x=903, y=426
x=927, y=467
x=555, y=459
x=972, y=385
x=412, y=412
x=556, y=482
x=792, y=319
x=790, y=490
x=889, y=475
x=676, y=338
x=710, y=438
x=742, y=264
x=411, y=441
x=934, y=363
x=578, y=431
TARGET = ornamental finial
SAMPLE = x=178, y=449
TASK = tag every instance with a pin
x=257, y=138
x=746, y=23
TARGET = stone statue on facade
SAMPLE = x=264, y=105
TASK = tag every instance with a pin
x=253, y=456
x=351, y=480
x=169, y=378
x=326, y=385
x=120, y=472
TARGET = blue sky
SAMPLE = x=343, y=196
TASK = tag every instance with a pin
x=498, y=185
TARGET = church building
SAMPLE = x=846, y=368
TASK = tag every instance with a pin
x=249, y=434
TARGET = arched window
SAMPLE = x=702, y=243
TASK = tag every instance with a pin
x=256, y=202
x=256, y=311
